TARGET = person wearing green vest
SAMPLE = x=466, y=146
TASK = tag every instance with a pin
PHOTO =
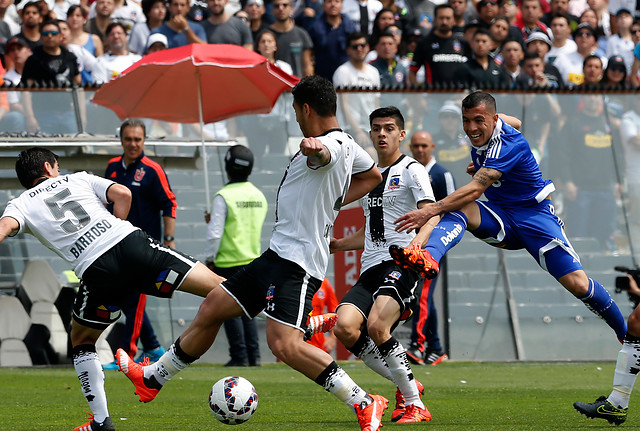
x=233, y=241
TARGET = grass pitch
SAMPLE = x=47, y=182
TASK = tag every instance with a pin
x=460, y=396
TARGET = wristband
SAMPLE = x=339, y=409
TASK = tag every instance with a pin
x=169, y=238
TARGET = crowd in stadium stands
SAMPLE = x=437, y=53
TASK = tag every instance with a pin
x=515, y=43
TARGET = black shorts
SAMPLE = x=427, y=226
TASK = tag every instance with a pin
x=138, y=263
x=386, y=279
x=278, y=286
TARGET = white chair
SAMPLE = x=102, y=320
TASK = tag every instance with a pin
x=14, y=325
x=42, y=287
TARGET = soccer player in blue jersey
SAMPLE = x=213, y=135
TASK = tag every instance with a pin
x=518, y=212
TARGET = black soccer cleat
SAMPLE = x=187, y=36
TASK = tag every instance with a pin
x=602, y=409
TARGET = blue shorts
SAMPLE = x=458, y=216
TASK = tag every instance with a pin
x=535, y=228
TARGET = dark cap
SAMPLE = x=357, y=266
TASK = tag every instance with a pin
x=623, y=11
x=483, y=3
x=238, y=162
x=15, y=40
x=616, y=60
x=584, y=25
x=474, y=23
x=538, y=35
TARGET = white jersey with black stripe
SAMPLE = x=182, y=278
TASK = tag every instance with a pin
x=68, y=215
x=309, y=200
x=404, y=184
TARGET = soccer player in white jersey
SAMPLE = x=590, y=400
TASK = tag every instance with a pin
x=384, y=293
x=112, y=257
x=329, y=170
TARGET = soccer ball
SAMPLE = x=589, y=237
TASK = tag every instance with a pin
x=233, y=400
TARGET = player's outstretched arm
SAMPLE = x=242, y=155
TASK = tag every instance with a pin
x=361, y=184
x=456, y=200
x=120, y=196
x=351, y=242
x=7, y=225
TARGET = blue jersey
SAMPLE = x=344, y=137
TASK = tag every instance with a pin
x=508, y=152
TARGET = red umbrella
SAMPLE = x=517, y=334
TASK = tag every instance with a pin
x=196, y=83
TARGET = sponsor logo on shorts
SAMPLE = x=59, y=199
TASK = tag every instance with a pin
x=270, y=305
x=107, y=312
x=166, y=280
x=395, y=275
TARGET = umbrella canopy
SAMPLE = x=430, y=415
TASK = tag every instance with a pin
x=217, y=80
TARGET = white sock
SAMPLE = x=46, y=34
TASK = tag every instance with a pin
x=396, y=358
x=335, y=380
x=166, y=367
x=627, y=367
x=91, y=376
x=372, y=358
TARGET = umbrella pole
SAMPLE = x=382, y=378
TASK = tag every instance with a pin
x=204, y=148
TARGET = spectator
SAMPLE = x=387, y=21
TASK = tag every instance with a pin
x=589, y=16
x=126, y=12
x=392, y=73
x=635, y=36
x=593, y=71
x=17, y=50
x=615, y=76
x=99, y=23
x=329, y=36
x=532, y=75
x=257, y=23
x=512, y=55
x=562, y=43
x=233, y=241
x=199, y=11
x=560, y=7
x=294, y=44
x=5, y=34
x=452, y=149
x=153, y=209
x=630, y=131
x=305, y=12
x=177, y=29
x=118, y=58
x=362, y=13
x=439, y=65
x=487, y=12
x=601, y=8
x=481, y=70
x=383, y=19
x=531, y=14
x=155, y=12
x=460, y=13
x=222, y=27
x=539, y=43
x=14, y=27
x=91, y=71
x=61, y=8
x=499, y=31
x=403, y=16
x=76, y=19
x=570, y=65
x=396, y=31
x=50, y=63
x=356, y=72
x=470, y=29
x=156, y=42
x=511, y=10
x=425, y=347
x=621, y=43
x=31, y=19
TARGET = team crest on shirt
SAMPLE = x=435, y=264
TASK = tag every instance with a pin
x=394, y=183
x=139, y=174
x=457, y=46
x=165, y=281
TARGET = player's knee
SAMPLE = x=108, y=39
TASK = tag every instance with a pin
x=282, y=348
x=378, y=331
x=346, y=333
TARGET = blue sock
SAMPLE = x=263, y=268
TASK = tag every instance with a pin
x=600, y=302
x=446, y=234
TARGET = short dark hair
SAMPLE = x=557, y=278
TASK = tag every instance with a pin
x=478, y=98
x=528, y=55
x=113, y=25
x=355, y=36
x=482, y=30
x=53, y=22
x=133, y=122
x=388, y=111
x=147, y=5
x=34, y=4
x=440, y=7
x=560, y=15
x=84, y=13
x=30, y=164
x=318, y=93
x=591, y=57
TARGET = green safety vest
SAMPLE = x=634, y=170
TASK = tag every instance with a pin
x=246, y=211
